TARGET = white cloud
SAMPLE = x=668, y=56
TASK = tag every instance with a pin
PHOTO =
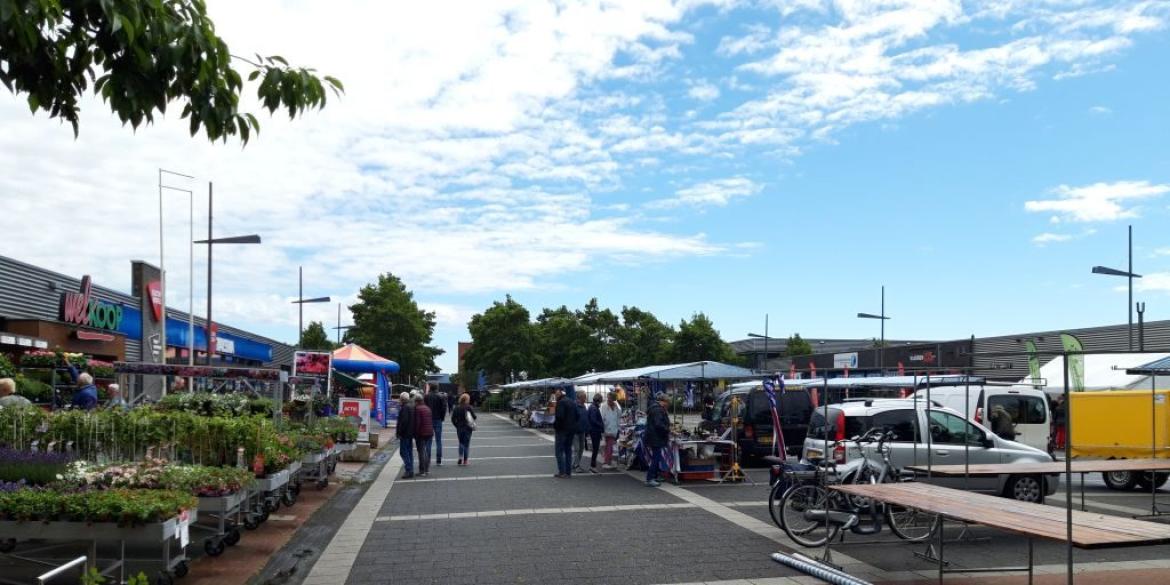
x=1152, y=282
x=1050, y=238
x=703, y=91
x=1098, y=201
x=717, y=193
x=1100, y=110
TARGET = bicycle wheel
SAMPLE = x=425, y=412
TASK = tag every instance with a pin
x=911, y=524
x=805, y=531
x=775, y=500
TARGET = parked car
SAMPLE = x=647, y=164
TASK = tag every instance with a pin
x=1031, y=419
x=950, y=441
x=754, y=437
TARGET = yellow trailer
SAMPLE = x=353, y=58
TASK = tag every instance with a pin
x=1120, y=424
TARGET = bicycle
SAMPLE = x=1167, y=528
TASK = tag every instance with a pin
x=811, y=514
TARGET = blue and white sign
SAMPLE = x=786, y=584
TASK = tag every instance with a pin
x=845, y=360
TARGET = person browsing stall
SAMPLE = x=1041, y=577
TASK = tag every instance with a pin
x=611, y=415
x=656, y=437
x=565, y=430
x=86, y=396
x=596, y=429
x=8, y=396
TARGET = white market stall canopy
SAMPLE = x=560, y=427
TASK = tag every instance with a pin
x=536, y=384
x=705, y=370
x=1102, y=372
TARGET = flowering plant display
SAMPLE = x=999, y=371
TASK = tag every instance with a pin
x=39, y=358
x=197, y=480
x=209, y=404
x=31, y=467
x=101, y=369
x=127, y=507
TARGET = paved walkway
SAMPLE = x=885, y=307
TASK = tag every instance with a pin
x=505, y=520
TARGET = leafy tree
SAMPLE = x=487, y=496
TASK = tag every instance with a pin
x=797, y=346
x=139, y=56
x=603, y=326
x=642, y=340
x=505, y=342
x=562, y=342
x=698, y=340
x=314, y=336
x=388, y=322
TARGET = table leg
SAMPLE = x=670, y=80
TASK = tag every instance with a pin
x=1082, y=492
x=1031, y=557
x=941, y=561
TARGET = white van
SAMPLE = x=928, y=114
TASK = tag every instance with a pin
x=1027, y=407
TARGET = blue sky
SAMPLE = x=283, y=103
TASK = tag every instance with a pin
x=736, y=158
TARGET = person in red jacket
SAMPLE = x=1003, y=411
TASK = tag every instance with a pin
x=424, y=431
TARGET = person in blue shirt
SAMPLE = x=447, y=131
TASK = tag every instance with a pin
x=86, y=396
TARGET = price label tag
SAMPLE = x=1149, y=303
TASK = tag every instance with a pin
x=184, y=532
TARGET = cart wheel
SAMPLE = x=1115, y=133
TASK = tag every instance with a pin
x=271, y=505
x=289, y=498
x=321, y=483
x=332, y=467
x=232, y=537
x=296, y=488
x=164, y=578
x=263, y=516
x=213, y=547
x=250, y=522
x=7, y=545
x=181, y=569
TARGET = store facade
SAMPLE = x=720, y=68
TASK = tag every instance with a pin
x=43, y=309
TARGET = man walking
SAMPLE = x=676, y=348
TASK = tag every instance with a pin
x=424, y=430
x=656, y=437
x=404, y=430
x=582, y=430
x=565, y=427
x=438, y=405
x=611, y=415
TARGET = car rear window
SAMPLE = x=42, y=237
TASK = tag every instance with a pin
x=1024, y=409
x=854, y=425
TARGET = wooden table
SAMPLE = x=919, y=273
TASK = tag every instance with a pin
x=1081, y=466
x=1089, y=530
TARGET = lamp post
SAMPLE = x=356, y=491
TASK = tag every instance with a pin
x=300, y=302
x=190, y=263
x=211, y=241
x=883, y=318
x=340, y=327
x=765, y=337
x=1129, y=275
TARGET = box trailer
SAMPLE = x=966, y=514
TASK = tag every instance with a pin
x=1121, y=424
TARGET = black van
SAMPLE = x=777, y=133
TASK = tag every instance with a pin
x=794, y=407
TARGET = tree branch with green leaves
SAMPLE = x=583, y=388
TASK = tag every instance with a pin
x=140, y=56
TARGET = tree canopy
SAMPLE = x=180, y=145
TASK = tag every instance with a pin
x=388, y=322
x=314, y=336
x=504, y=342
x=698, y=340
x=140, y=56
x=562, y=342
x=797, y=346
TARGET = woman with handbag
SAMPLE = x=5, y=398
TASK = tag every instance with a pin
x=464, y=420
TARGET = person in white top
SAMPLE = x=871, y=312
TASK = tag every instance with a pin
x=611, y=415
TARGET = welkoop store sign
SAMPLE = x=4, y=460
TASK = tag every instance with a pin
x=80, y=308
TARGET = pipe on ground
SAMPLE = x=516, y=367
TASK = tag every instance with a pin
x=819, y=570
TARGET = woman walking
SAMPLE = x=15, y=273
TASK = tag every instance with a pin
x=424, y=431
x=464, y=420
x=596, y=427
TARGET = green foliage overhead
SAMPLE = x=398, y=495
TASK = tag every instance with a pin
x=139, y=56
x=698, y=340
x=642, y=340
x=505, y=342
x=388, y=322
x=315, y=337
x=797, y=346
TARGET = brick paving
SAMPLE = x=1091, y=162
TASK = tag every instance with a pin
x=506, y=520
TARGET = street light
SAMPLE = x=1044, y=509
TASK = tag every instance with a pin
x=883, y=318
x=340, y=327
x=190, y=265
x=765, y=338
x=301, y=300
x=210, y=241
x=1129, y=275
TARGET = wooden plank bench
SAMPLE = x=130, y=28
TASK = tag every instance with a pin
x=1081, y=466
x=1089, y=530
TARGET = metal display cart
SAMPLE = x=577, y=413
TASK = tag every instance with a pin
x=226, y=512
x=172, y=536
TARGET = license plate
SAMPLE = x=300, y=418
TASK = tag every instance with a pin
x=765, y=440
x=813, y=453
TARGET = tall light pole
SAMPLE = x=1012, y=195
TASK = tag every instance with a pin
x=300, y=302
x=340, y=327
x=765, y=337
x=1129, y=275
x=162, y=261
x=883, y=318
x=211, y=241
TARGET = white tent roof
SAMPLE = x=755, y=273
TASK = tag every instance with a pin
x=1102, y=372
x=705, y=370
